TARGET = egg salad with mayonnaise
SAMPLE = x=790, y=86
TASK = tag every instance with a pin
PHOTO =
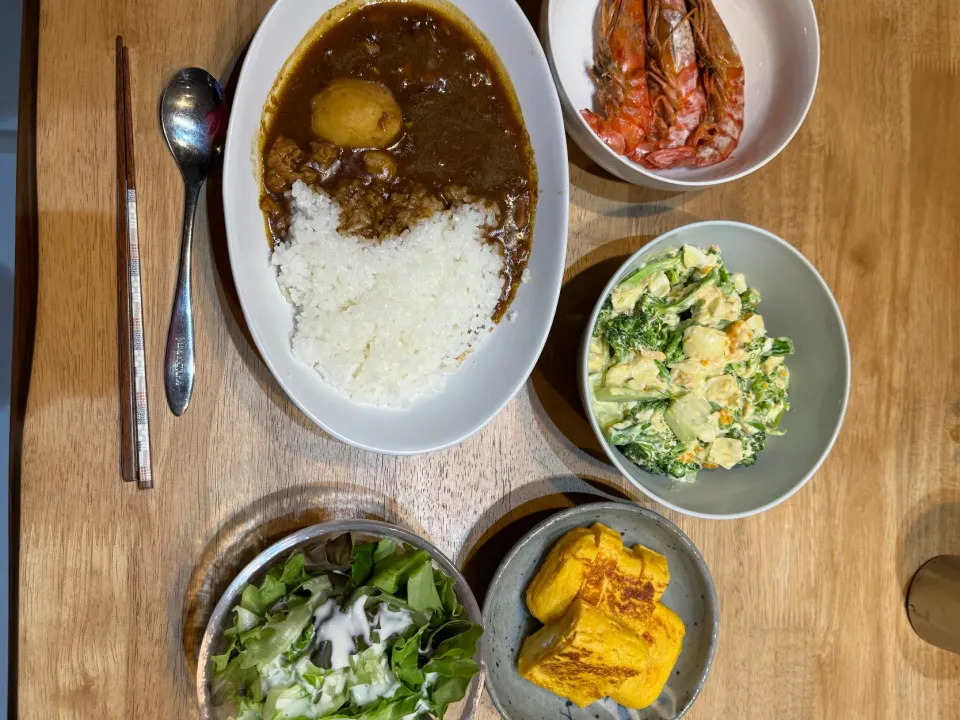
x=683, y=374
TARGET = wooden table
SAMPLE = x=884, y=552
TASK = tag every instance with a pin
x=113, y=582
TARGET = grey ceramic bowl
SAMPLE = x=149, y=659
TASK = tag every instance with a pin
x=796, y=303
x=221, y=618
x=690, y=594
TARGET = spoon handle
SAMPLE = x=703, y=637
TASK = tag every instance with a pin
x=179, y=361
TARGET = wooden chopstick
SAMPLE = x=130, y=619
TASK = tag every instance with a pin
x=127, y=392
x=134, y=373
x=128, y=118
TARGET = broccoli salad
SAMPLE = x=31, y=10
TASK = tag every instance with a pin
x=683, y=374
x=369, y=630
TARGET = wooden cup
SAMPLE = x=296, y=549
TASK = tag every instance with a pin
x=933, y=602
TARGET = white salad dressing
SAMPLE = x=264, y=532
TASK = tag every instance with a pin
x=422, y=705
x=276, y=674
x=366, y=694
x=300, y=707
x=340, y=628
x=391, y=622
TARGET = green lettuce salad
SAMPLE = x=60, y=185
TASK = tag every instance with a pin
x=368, y=630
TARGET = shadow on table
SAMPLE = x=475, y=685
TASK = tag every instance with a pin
x=227, y=290
x=588, y=176
x=931, y=528
x=258, y=526
x=555, y=379
x=513, y=516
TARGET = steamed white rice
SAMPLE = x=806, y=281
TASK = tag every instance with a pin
x=384, y=323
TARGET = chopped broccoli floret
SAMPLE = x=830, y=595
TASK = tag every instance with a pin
x=748, y=300
x=652, y=306
x=671, y=261
x=655, y=451
x=630, y=333
x=776, y=395
x=766, y=392
x=752, y=444
x=603, y=317
x=780, y=346
x=755, y=346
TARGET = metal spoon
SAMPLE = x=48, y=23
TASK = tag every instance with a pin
x=194, y=119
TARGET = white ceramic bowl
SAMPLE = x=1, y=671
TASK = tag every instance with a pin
x=779, y=43
x=488, y=378
x=795, y=303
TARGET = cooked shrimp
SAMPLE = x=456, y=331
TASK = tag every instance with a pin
x=620, y=75
x=678, y=98
x=722, y=77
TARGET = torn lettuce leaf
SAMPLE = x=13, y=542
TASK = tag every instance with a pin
x=275, y=662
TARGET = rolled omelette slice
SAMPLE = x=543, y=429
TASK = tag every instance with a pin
x=632, y=597
x=664, y=632
x=592, y=564
x=633, y=589
x=655, y=569
x=579, y=560
x=596, y=582
x=585, y=656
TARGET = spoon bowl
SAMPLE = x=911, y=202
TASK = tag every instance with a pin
x=194, y=120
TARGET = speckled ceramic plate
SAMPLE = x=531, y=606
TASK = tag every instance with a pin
x=690, y=594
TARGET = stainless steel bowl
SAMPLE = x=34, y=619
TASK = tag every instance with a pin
x=220, y=620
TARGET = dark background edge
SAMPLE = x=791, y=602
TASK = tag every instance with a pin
x=24, y=308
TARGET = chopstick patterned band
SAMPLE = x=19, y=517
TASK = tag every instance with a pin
x=144, y=466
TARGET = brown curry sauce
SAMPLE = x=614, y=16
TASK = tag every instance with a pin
x=463, y=138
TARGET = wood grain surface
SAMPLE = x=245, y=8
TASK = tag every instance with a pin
x=113, y=582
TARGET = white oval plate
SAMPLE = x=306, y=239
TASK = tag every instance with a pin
x=490, y=377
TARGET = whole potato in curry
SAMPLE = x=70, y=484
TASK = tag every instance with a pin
x=356, y=114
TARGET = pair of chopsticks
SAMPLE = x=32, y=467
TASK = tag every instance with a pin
x=135, y=464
